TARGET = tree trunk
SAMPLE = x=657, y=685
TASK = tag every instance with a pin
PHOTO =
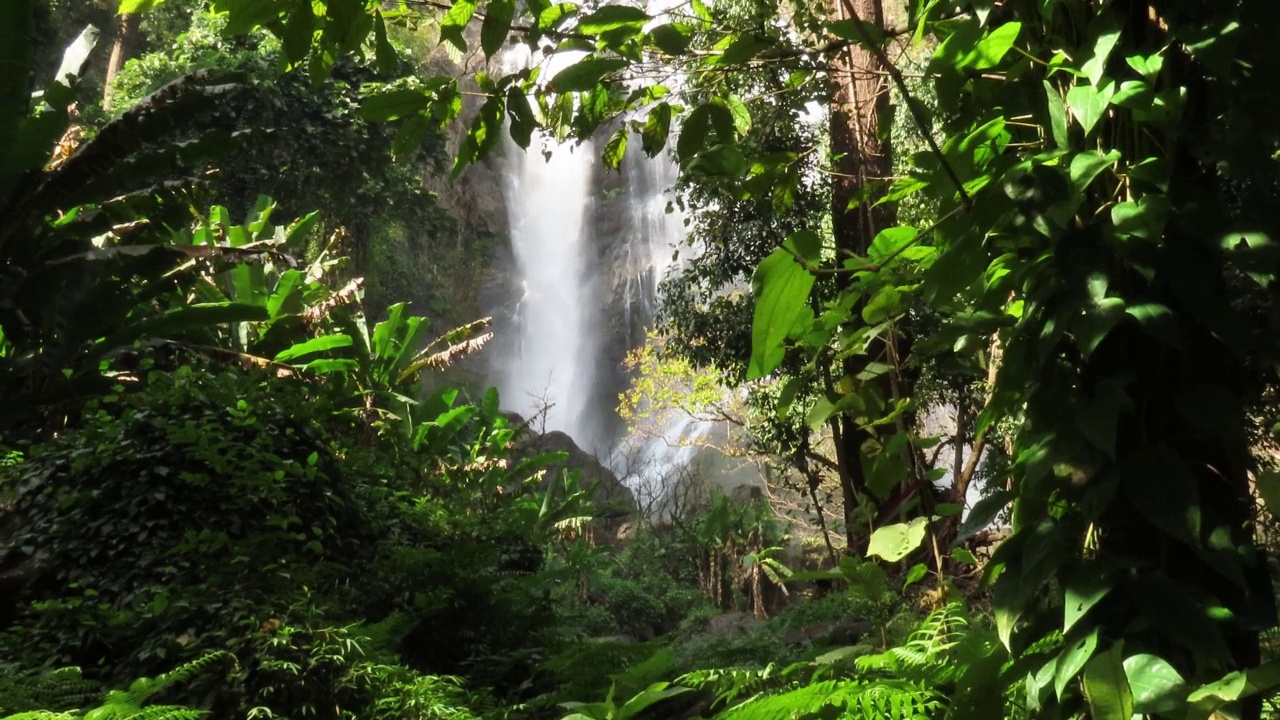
x=861, y=159
x=121, y=50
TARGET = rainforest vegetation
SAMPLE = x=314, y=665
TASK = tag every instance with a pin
x=986, y=290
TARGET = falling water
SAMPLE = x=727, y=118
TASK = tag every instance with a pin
x=558, y=348
x=549, y=204
x=654, y=236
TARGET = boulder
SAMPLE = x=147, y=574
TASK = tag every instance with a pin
x=615, y=502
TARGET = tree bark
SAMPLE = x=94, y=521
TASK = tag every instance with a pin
x=121, y=50
x=861, y=159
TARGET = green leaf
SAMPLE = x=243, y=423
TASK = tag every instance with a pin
x=454, y=23
x=1144, y=219
x=857, y=30
x=410, y=135
x=584, y=75
x=724, y=160
x=1178, y=614
x=612, y=17
x=523, y=120
x=672, y=38
x=693, y=133
x=1148, y=66
x=1089, y=104
x=1164, y=492
x=552, y=16
x=615, y=149
x=1269, y=490
x=647, y=697
x=1057, y=117
x=806, y=245
x=1086, y=166
x=657, y=126
x=982, y=514
x=894, y=542
x=1157, y=687
x=1072, y=659
x=1229, y=689
x=741, y=115
x=1085, y=589
x=992, y=48
x=314, y=345
x=393, y=104
x=1158, y=320
x=497, y=23
x=915, y=575
x=347, y=25
x=191, y=317
x=741, y=50
x=299, y=31
x=1106, y=33
x=1107, y=688
x=129, y=7
x=245, y=15
x=890, y=242
x=782, y=288
x=384, y=52
x=881, y=306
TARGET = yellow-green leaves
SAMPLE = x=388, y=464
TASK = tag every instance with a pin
x=129, y=7
x=615, y=149
x=782, y=288
x=1156, y=686
x=657, y=125
x=1089, y=104
x=455, y=22
x=894, y=542
x=1107, y=688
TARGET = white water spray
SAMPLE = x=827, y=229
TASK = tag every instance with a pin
x=549, y=206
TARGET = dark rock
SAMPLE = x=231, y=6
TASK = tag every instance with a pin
x=615, y=502
x=608, y=490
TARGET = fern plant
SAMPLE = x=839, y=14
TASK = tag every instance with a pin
x=56, y=689
x=130, y=704
x=937, y=672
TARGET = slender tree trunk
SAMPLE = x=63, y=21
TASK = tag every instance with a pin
x=121, y=50
x=861, y=158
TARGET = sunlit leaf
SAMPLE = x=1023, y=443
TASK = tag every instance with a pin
x=894, y=542
x=782, y=288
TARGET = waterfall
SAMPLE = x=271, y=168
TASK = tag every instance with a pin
x=553, y=364
x=652, y=238
x=575, y=289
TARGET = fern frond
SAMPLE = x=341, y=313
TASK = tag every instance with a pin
x=729, y=684
x=143, y=688
x=49, y=691
x=157, y=712
x=872, y=700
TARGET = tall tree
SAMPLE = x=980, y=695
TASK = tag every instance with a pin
x=122, y=48
x=862, y=165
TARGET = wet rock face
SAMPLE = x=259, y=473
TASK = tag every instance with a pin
x=614, y=500
x=608, y=489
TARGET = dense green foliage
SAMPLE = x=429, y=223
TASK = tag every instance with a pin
x=214, y=464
